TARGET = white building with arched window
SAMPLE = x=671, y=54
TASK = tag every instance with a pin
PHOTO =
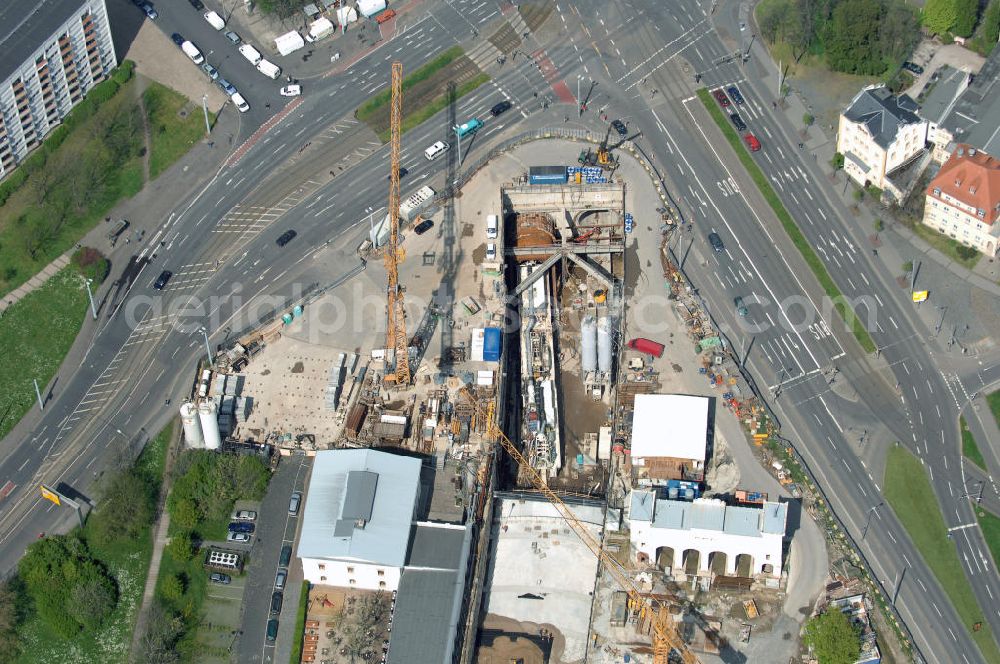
x=707, y=535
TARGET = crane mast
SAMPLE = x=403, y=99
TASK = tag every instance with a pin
x=392, y=256
x=665, y=635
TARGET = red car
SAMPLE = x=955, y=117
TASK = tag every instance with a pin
x=721, y=97
x=752, y=142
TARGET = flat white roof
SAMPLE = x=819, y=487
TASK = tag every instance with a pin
x=670, y=425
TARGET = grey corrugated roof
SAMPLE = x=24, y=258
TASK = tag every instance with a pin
x=359, y=499
x=384, y=537
x=775, y=517
x=946, y=88
x=641, y=508
x=24, y=26
x=882, y=113
x=436, y=546
x=975, y=118
x=425, y=619
x=708, y=515
x=671, y=514
x=743, y=521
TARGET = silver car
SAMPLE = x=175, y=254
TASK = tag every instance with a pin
x=212, y=72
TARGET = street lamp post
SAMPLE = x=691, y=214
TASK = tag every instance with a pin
x=869, y=520
x=90, y=295
x=204, y=108
x=38, y=393
x=208, y=348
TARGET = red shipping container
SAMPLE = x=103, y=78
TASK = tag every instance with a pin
x=647, y=346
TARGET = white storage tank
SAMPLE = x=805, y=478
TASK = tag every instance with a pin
x=604, y=344
x=209, y=416
x=588, y=344
x=192, y=427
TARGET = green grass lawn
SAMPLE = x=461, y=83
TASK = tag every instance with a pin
x=373, y=106
x=129, y=564
x=38, y=330
x=909, y=492
x=945, y=245
x=439, y=103
x=969, y=448
x=171, y=136
x=993, y=400
x=791, y=228
x=989, y=523
x=300, y=625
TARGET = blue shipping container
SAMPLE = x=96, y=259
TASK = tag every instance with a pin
x=491, y=344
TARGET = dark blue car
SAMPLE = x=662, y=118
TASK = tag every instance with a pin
x=734, y=94
x=177, y=39
x=241, y=527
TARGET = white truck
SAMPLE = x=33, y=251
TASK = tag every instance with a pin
x=215, y=20
x=268, y=69
x=251, y=54
x=192, y=52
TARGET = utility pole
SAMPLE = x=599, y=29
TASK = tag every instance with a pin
x=913, y=274
x=937, y=328
x=869, y=520
x=458, y=134
x=204, y=107
x=208, y=348
x=90, y=295
x=38, y=393
x=898, y=584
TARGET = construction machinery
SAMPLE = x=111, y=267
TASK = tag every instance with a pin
x=653, y=611
x=602, y=156
x=396, y=340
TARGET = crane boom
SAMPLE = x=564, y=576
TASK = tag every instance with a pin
x=665, y=636
x=396, y=327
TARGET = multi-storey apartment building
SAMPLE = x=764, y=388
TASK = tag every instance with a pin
x=963, y=200
x=51, y=53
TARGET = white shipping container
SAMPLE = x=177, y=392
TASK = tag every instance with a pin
x=478, y=344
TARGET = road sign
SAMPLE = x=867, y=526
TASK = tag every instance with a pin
x=920, y=296
x=50, y=494
x=629, y=222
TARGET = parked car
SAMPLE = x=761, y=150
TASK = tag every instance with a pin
x=491, y=251
x=916, y=69
x=286, y=555
x=212, y=72
x=239, y=102
x=244, y=515
x=738, y=121
x=226, y=86
x=233, y=37
x=150, y=12
x=721, y=97
x=162, y=280
x=276, y=599
x=272, y=630
x=241, y=527
x=734, y=94
x=423, y=227
x=279, y=579
x=296, y=500
x=501, y=107
x=238, y=537
x=291, y=91
x=177, y=39
x=282, y=240
x=752, y=142
x=716, y=241
x=197, y=4
x=220, y=578
x=620, y=127
x=741, y=308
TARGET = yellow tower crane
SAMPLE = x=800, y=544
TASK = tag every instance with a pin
x=393, y=255
x=655, y=611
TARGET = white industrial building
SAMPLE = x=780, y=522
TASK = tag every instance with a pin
x=673, y=533
x=670, y=435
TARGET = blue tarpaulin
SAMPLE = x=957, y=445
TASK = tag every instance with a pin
x=491, y=344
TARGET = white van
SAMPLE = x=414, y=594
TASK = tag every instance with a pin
x=239, y=102
x=192, y=52
x=251, y=54
x=436, y=150
x=492, y=226
x=269, y=69
x=215, y=20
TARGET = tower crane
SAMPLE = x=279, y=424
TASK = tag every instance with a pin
x=393, y=256
x=665, y=636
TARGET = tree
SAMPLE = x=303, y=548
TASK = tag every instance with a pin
x=899, y=31
x=12, y=613
x=172, y=588
x=966, y=13
x=852, y=42
x=808, y=119
x=162, y=631
x=181, y=548
x=832, y=638
x=184, y=513
x=127, y=507
x=907, y=266
x=93, y=600
x=939, y=15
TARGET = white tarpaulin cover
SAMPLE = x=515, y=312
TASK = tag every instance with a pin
x=321, y=28
x=346, y=15
x=289, y=43
x=369, y=8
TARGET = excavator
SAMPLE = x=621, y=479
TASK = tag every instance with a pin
x=602, y=156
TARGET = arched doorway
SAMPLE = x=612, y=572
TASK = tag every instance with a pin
x=744, y=565
x=665, y=558
x=692, y=558
x=717, y=562
x=767, y=568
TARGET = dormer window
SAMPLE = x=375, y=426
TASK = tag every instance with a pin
x=937, y=191
x=981, y=214
x=958, y=183
x=972, y=189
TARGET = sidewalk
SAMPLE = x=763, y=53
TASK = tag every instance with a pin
x=36, y=281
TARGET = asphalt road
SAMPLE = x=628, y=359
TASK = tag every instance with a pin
x=220, y=243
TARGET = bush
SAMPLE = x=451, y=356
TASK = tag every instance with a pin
x=966, y=253
x=947, y=38
x=832, y=638
x=92, y=264
x=808, y=119
x=172, y=588
x=181, y=547
x=879, y=225
x=838, y=161
x=127, y=507
x=124, y=73
x=208, y=484
x=908, y=267
x=859, y=195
